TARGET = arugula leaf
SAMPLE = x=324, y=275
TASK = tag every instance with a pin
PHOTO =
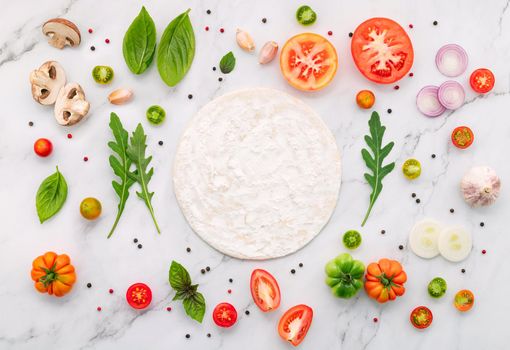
x=120, y=165
x=51, y=195
x=139, y=43
x=136, y=152
x=192, y=301
x=227, y=63
x=176, y=50
x=374, y=161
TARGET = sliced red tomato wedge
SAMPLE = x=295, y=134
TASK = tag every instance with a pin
x=421, y=317
x=295, y=323
x=225, y=315
x=264, y=290
x=139, y=296
x=308, y=61
x=482, y=80
x=462, y=137
x=382, y=50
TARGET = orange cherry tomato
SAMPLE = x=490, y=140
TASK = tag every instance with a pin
x=139, y=296
x=421, y=317
x=43, y=147
x=464, y=300
x=365, y=99
x=385, y=280
x=225, y=315
x=294, y=324
x=482, y=80
x=53, y=274
x=462, y=137
x=264, y=290
x=308, y=61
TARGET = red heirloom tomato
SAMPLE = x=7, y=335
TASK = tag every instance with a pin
x=225, y=315
x=264, y=290
x=139, y=296
x=482, y=80
x=295, y=323
x=43, y=147
x=382, y=50
x=421, y=317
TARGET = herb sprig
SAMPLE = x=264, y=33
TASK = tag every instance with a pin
x=192, y=300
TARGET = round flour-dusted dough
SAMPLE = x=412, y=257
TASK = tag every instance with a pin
x=257, y=174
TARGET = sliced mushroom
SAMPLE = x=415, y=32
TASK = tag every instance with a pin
x=47, y=81
x=71, y=105
x=61, y=33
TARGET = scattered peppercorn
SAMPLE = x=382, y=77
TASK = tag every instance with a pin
x=188, y=250
x=230, y=280
x=383, y=232
x=434, y=23
x=207, y=269
x=247, y=312
x=330, y=33
x=229, y=291
x=375, y=320
x=401, y=247
x=220, y=79
x=135, y=240
x=99, y=308
x=208, y=335
x=202, y=271
x=89, y=285
x=160, y=143
x=30, y=123
x=107, y=41
x=188, y=336
x=264, y=20
x=206, y=28
x=484, y=251
x=389, y=111
x=418, y=200
x=214, y=68
x=110, y=291
x=222, y=30
x=168, y=309
x=413, y=195
x=208, y=12
x=85, y=159
x=293, y=271
x=411, y=26
x=433, y=156
x=350, y=35
x=411, y=74
x=482, y=224
x=300, y=264
x=452, y=210
x=69, y=136
x=190, y=96
x=92, y=48
x=463, y=270
x=140, y=246
x=396, y=87
x=90, y=30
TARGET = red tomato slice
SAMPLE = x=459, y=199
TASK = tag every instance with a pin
x=264, y=290
x=462, y=137
x=139, y=296
x=295, y=323
x=308, y=61
x=224, y=315
x=421, y=317
x=482, y=80
x=382, y=50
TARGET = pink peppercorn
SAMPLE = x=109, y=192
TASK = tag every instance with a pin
x=206, y=28
x=85, y=159
x=222, y=30
x=169, y=309
x=396, y=87
x=411, y=26
x=107, y=41
x=376, y=320
x=69, y=136
x=90, y=30
x=484, y=251
x=411, y=74
x=99, y=308
x=110, y=291
x=330, y=33
x=229, y=291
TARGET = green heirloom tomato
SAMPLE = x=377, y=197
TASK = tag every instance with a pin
x=344, y=276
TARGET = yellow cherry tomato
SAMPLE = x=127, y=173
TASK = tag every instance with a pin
x=411, y=169
x=90, y=208
x=365, y=99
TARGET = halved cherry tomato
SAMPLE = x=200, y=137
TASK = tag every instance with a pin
x=264, y=290
x=464, y=300
x=295, y=323
x=139, y=296
x=382, y=50
x=365, y=99
x=421, y=317
x=224, y=315
x=43, y=147
x=482, y=80
x=462, y=137
x=308, y=61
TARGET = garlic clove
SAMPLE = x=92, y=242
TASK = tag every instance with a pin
x=244, y=40
x=268, y=52
x=120, y=96
x=480, y=186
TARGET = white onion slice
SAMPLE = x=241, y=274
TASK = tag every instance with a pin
x=428, y=103
x=451, y=94
x=451, y=60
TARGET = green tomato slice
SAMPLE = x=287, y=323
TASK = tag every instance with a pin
x=305, y=15
x=155, y=114
x=437, y=287
x=351, y=239
x=411, y=169
x=102, y=74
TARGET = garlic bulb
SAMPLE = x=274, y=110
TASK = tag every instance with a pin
x=480, y=186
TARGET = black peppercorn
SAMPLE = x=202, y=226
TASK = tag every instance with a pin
x=300, y=264
x=190, y=96
x=383, y=232
x=30, y=123
x=188, y=249
x=188, y=336
x=92, y=48
x=389, y=110
x=208, y=269
x=140, y=246
x=413, y=195
x=230, y=280
x=401, y=247
x=264, y=20
x=247, y=312
x=202, y=271
x=160, y=143
x=89, y=285
x=418, y=200
x=208, y=12
x=208, y=335
x=220, y=79
x=433, y=155
x=434, y=23
x=213, y=68
x=452, y=210
x=482, y=224
x=135, y=240
x=463, y=270
x=350, y=35
x=292, y=271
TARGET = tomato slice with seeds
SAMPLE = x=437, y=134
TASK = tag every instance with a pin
x=295, y=323
x=225, y=315
x=308, y=61
x=382, y=50
x=464, y=300
x=264, y=290
x=139, y=296
x=462, y=137
x=421, y=317
x=482, y=80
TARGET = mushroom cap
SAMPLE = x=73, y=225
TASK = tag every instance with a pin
x=61, y=32
x=71, y=105
x=47, y=81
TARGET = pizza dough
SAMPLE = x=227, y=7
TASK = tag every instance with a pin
x=257, y=174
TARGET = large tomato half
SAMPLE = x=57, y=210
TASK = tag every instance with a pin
x=308, y=61
x=295, y=323
x=264, y=290
x=382, y=50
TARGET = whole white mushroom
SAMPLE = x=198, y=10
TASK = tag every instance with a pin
x=480, y=186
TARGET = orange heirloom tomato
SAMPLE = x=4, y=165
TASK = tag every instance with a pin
x=53, y=274
x=385, y=280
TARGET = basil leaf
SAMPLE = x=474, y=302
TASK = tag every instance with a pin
x=178, y=277
x=227, y=63
x=176, y=50
x=51, y=195
x=195, y=306
x=139, y=43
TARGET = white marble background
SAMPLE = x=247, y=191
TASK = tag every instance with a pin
x=29, y=320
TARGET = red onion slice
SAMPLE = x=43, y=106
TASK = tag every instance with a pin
x=451, y=60
x=428, y=103
x=451, y=94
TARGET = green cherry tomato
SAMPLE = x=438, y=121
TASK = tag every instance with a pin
x=437, y=287
x=155, y=114
x=305, y=15
x=411, y=169
x=351, y=239
x=102, y=74
x=90, y=208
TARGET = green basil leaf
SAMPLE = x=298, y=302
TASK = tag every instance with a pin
x=51, y=195
x=194, y=306
x=178, y=277
x=227, y=63
x=176, y=50
x=139, y=43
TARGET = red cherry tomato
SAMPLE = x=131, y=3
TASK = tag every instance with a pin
x=264, y=290
x=224, y=315
x=295, y=323
x=462, y=137
x=421, y=317
x=482, y=80
x=139, y=296
x=43, y=147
